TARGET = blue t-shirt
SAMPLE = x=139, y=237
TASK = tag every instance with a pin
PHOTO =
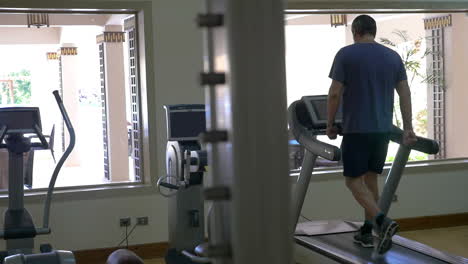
x=370, y=73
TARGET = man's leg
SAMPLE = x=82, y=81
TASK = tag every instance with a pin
x=385, y=226
x=365, y=198
x=363, y=195
x=355, y=155
x=370, y=179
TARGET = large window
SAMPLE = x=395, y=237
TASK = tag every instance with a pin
x=91, y=59
x=432, y=49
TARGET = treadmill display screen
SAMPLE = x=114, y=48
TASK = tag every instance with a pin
x=320, y=107
x=317, y=107
x=187, y=124
x=20, y=120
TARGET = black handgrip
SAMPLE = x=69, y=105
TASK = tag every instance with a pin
x=169, y=186
x=424, y=145
x=57, y=97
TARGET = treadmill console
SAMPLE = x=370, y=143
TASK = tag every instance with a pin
x=21, y=120
x=316, y=106
x=185, y=121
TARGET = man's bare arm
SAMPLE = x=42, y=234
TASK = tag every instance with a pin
x=334, y=97
x=405, y=104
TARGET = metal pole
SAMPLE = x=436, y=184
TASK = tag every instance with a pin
x=302, y=184
x=393, y=178
x=58, y=167
x=219, y=222
x=15, y=181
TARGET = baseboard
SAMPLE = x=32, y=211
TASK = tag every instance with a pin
x=431, y=222
x=158, y=250
x=99, y=256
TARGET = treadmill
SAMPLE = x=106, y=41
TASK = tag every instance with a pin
x=332, y=241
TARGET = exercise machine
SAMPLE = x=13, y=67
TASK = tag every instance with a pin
x=332, y=241
x=19, y=127
x=183, y=183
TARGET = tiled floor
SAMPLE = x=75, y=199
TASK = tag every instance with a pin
x=453, y=240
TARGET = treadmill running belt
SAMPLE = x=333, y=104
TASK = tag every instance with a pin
x=341, y=248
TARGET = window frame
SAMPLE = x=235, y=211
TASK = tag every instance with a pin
x=142, y=10
x=411, y=7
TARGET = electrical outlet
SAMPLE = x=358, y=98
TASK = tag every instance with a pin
x=142, y=220
x=126, y=221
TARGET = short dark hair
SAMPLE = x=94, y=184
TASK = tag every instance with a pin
x=363, y=25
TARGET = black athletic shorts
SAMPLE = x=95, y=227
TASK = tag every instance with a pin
x=364, y=152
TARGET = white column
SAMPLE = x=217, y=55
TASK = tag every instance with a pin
x=71, y=85
x=113, y=39
x=251, y=108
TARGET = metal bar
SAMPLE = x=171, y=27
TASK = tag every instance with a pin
x=302, y=184
x=216, y=231
x=443, y=95
x=3, y=130
x=41, y=137
x=105, y=130
x=15, y=181
x=62, y=160
x=393, y=178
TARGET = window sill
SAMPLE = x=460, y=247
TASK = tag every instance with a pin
x=101, y=191
x=334, y=173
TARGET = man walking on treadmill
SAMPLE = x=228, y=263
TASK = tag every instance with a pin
x=364, y=76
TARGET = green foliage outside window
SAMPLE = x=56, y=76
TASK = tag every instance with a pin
x=412, y=58
x=21, y=89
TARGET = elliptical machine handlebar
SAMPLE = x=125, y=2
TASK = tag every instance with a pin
x=62, y=160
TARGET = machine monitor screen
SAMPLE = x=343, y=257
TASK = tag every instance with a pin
x=20, y=119
x=317, y=107
x=185, y=123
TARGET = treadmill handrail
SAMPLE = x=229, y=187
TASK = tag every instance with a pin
x=424, y=145
x=307, y=138
x=321, y=149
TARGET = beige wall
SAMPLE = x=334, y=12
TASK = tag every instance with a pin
x=456, y=65
x=16, y=35
x=174, y=55
x=292, y=20
x=412, y=23
x=436, y=191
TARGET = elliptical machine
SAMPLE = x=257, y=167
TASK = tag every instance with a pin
x=16, y=123
x=185, y=165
